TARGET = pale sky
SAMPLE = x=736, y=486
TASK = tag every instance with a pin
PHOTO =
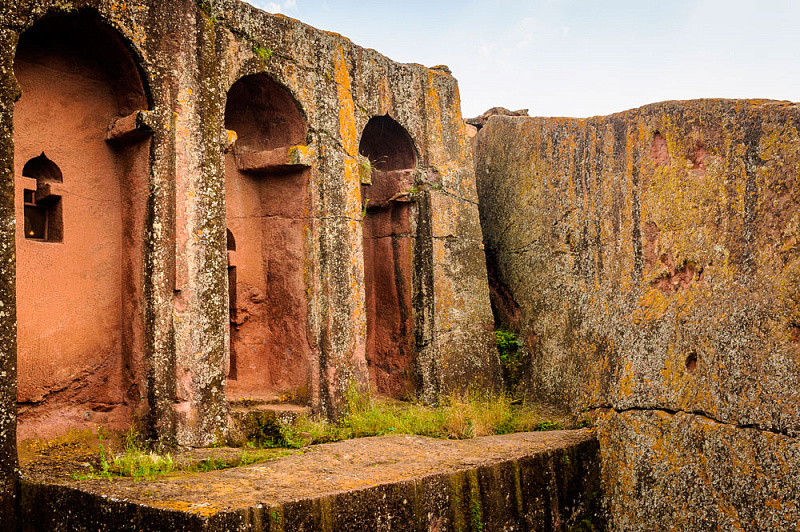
x=579, y=57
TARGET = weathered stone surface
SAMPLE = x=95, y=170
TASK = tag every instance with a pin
x=8, y=320
x=649, y=261
x=175, y=348
x=697, y=474
x=479, y=121
x=528, y=481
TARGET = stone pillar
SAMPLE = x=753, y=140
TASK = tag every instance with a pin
x=459, y=322
x=9, y=93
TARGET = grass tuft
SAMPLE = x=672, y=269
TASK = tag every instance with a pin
x=458, y=417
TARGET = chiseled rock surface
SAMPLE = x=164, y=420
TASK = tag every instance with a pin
x=649, y=261
x=189, y=54
x=527, y=481
x=665, y=471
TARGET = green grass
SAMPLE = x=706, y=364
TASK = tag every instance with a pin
x=140, y=464
x=133, y=462
x=458, y=417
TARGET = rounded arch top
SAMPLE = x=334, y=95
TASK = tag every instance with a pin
x=43, y=169
x=83, y=43
x=387, y=144
x=264, y=114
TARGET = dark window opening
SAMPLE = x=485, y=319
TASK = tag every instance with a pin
x=387, y=145
x=35, y=222
x=42, y=208
x=233, y=368
x=264, y=115
x=231, y=241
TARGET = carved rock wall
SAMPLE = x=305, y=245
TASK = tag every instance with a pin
x=649, y=262
x=189, y=54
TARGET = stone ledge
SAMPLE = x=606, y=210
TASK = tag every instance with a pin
x=285, y=159
x=526, y=481
x=131, y=128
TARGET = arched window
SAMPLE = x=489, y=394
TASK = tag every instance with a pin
x=42, y=209
x=387, y=145
x=264, y=115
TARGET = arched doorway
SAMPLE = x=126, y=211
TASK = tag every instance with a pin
x=267, y=214
x=388, y=255
x=80, y=205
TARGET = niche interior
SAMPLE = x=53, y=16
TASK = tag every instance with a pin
x=388, y=255
x=267, y=208
x=80, y=204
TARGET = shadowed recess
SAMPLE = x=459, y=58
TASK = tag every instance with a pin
x=81, y=245
x=388, y=255
x=267, y=211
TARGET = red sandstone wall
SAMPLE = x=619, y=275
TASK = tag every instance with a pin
x=270, y=351
x=267, y=213
x=388, y=286
x=76, y=299
x=388, y=170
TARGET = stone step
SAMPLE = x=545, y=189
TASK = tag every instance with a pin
x=259, y=423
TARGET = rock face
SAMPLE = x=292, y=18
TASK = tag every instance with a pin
x=649, y=262
x=167, y=188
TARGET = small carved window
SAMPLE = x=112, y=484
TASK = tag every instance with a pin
x=35, y=218
x=43, y=215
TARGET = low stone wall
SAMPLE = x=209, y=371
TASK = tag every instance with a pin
x=649, y=262
x=518, y=482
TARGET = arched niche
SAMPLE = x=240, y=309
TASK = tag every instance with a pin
x=264, y=115
x=388, y=145
x=79, y=282
x=267, y=211
x=43, y=170
x=388, y=258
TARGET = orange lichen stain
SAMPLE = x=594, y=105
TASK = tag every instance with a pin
x=462, y=138
x=652, y=306
x=203, y=510
x=124, y=14
x=435, y=124
x=344, y=92
x=626, y=379
x=349, y=134
x=301, y=155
